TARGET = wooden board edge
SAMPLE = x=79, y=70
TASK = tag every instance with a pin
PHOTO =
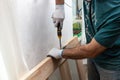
x=41, y=72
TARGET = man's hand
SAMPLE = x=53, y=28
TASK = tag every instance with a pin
x=55, y=53
x=59, y=15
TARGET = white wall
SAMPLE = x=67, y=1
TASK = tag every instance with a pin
x=35, y=29
x=27, y=33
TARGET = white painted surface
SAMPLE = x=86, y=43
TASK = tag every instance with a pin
x=27, y=33
x=36, y=31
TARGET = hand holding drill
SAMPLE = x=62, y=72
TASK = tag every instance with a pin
x=58, y=18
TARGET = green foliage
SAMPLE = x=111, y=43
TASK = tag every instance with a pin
x=77, y=29
x=77, y=26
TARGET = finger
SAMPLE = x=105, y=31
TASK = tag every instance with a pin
x=54, y=20
x=56, y=23
x=61, y=24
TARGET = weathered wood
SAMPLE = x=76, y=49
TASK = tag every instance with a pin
x=46, y=67
x=81, y=69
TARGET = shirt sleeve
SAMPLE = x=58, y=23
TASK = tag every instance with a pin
x=108, y=34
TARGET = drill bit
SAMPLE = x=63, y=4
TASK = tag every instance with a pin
x=60, y=43
x=59, y=34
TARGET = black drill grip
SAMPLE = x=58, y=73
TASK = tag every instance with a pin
x=59, y=33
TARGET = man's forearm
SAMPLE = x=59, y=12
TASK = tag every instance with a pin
x=79, y=52
x=90, y=50
x=59, y=2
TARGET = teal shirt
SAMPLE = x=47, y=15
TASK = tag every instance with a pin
x=102, y=22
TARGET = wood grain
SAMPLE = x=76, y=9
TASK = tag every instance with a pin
x=64, y=69
x=81, y=70
x=46, y=67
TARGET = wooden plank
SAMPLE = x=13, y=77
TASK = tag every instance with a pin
x=64, y=69
x=81, y=70
x=42, y=70
x=46, y=67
